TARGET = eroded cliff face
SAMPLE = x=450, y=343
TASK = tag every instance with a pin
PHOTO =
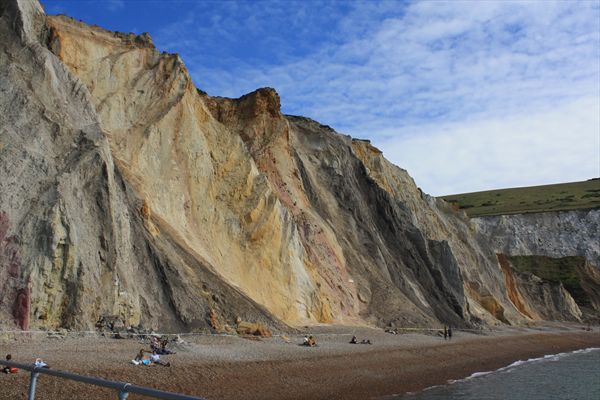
x=552, y=234
x=126, y=191
x=482, y=279
x=547, y=239
x=195, y=175
x=573, y=275
x=74, y=242
x=537, y=298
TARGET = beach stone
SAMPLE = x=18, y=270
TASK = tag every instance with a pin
x=54, y=336
x=256, y=329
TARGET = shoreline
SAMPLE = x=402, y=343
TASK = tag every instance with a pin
x=232, y=367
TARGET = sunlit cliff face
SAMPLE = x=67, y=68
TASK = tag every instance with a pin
x=197, y=174
x=168, y=207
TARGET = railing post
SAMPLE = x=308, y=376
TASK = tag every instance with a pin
x=123, y=393
x=32, y=384
x=123, y=389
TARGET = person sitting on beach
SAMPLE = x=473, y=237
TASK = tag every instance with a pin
x=154, y=343
x=163, y=347
x=155, y=359
x=139, y=358
x=353, y=340
x=39, y=363
x=7, y=369
x=309, y=341
x=366, y=341
x=140, y=355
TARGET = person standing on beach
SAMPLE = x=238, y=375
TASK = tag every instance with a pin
x=449, y=333
x=445, y=332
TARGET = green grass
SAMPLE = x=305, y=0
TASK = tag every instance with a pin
x=559, y=197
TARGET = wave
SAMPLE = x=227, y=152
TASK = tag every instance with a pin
x=508, y=368
x=549, y=357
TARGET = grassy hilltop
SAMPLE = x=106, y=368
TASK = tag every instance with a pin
x=559, y=197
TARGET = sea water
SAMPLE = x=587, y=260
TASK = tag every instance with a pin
x=564, y=376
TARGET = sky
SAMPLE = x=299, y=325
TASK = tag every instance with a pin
x=465, y=95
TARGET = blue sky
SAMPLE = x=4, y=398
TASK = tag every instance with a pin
x=466, y=96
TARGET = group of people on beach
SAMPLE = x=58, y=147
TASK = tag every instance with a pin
x=152, y=359
x=309, y=341
x=447, y=332
x=354, y=340
x=157, y=348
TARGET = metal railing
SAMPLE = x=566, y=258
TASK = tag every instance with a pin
x=123, y=388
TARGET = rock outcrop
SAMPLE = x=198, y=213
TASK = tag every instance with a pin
x=552, y=234
x=572, y=275
x=537, y=298
x=548, y=239
x=127, y=192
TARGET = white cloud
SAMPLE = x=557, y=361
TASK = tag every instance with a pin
x=480, y=79
x=559, y=144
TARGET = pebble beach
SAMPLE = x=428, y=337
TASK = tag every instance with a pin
x=232, y=367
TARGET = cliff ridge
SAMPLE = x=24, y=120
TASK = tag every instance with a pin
x=126, y=191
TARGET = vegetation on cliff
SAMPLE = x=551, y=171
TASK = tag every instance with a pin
x=580, y=279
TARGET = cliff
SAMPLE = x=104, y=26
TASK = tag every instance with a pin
x=552, y=234
x=558, y=248
x=76, y=240
x=125, y=191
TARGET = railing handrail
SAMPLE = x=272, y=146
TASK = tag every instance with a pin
x=121, y=386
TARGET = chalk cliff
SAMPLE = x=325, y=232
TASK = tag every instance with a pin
x=126, y=191
x=564, y=244
x=552, y=234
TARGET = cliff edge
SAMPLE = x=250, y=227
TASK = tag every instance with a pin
x=125, y=191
